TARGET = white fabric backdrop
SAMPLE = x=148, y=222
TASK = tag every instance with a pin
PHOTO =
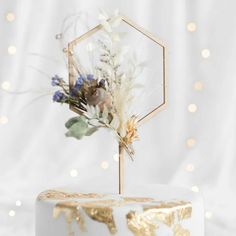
x=36, y=156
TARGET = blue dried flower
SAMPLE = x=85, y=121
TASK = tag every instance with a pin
x=73, y=92
x=58, y=96
x=90, y=77
x=56, y=80
x=79, y=82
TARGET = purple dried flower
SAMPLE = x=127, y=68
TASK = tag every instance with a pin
x=79, y=82
x=58, y=96
x=56, y=80
x=74, y=92
x=90, y=77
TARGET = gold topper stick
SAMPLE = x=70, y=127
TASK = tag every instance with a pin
x=74, y=70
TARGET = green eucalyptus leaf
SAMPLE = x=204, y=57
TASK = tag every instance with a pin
x=90, y=131
x=72, y=121
x=94, y=122
x=77, y=128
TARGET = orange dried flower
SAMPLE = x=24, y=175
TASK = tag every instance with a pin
x=131, y=130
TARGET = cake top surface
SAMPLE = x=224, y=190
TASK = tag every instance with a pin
x=74, y=199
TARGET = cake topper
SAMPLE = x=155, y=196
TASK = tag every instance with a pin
x=103, y=95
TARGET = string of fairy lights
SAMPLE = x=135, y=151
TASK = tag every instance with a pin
x=192, y=108
x=6, y=86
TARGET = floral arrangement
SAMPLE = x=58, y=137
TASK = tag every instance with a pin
x=104, y=95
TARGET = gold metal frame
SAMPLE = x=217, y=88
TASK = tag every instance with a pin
x=73, y=70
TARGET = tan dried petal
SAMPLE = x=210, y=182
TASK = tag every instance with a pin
x=100, y=97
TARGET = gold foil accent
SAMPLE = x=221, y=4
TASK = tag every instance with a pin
x=145, y=223
x=97, y=203
x=60, y=195
x=179, y=231
x=102, y=215
x=137, y=199
x=180, y=209
x=99, y=210
x=184, y=213
x=94, y=209
x=140, y=224
x=71, y=212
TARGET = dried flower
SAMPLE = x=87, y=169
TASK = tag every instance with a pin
x=90, y=77
x=82, y=79
x=58, y=96
x=102, y=83
x=103, y=99
x=131, y=130
x=100, y=97
x=56, y=80
x=79, y=82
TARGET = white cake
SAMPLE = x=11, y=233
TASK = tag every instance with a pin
x=60, y=213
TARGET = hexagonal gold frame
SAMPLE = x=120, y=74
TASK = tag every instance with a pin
x=73, y=68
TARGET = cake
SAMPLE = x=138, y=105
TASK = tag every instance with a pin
x=104, y=97
x=63, y=213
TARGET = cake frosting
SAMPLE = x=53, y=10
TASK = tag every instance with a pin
x=63, y=213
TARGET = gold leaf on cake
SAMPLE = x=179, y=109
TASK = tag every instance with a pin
x=71, y=212
x=166, y=212
x=98, y=210
x=136, y=199
x=184, y=212
x=179, y=231
x=60, y=195
x=102, y=215
x=146, y=223
x=141, y=224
